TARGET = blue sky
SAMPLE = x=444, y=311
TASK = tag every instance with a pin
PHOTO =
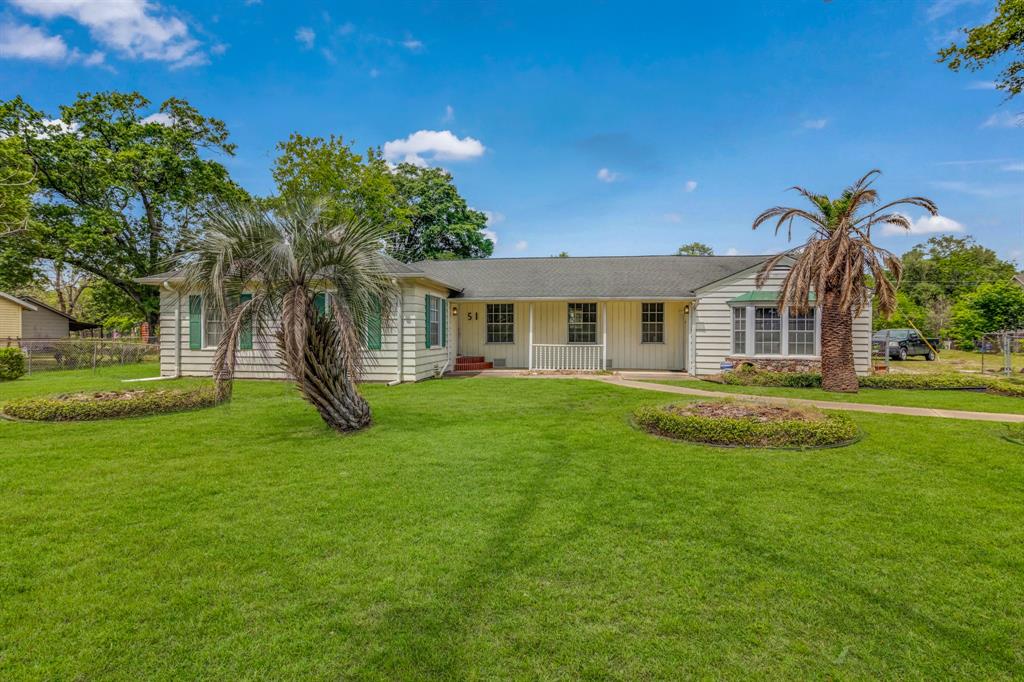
x=607, y=128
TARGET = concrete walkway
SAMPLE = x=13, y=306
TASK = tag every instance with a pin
x=822, y=404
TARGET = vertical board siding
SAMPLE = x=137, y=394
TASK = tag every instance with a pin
x=43, y=324
x=551, y=325
x=712, y=323
x=10, y=319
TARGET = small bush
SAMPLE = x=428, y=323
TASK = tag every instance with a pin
x=12, y=364
x=109, y=405
x=751, y=377
x=832, y=429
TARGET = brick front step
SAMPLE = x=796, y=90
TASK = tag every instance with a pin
x=468, y=359
x=473, y=366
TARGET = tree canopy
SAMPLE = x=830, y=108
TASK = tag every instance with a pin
x=986, y=43
x=695, y=249
x=992, y=307
x=119, y=188
x=421, y=209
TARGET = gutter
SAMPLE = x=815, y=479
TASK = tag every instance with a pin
x=177, y=327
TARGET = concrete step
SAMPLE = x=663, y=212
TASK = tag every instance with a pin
x=473, y=366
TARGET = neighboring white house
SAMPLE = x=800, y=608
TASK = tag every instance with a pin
x=681, y=313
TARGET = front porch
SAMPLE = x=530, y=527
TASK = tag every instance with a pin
x=571, y=335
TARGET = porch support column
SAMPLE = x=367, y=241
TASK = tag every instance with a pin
x=530, y=361
x=604, y=336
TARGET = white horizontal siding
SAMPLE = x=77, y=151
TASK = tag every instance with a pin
x=262, y=362
x=712, y=322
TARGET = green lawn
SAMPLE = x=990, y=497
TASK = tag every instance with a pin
x=958, y=361
x=499, y=529
x=946, y=400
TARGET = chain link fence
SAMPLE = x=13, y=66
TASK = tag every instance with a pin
x=43, y=355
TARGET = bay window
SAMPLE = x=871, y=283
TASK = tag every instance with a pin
x=763, y=330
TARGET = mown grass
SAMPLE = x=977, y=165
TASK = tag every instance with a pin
x=971, y=401
x=500, y=529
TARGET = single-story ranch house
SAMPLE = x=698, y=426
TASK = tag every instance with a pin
x=682, y=313
x=26, y=318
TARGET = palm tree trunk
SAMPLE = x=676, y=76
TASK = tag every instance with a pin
x=837, y=369
x=322, y=379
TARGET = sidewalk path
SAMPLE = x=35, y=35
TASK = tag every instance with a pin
x=823, y=404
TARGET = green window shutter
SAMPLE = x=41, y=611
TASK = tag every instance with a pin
x=444, y=324
x=426, y=307
x=245, y=336
x=373, y=326
x=195, y=322
x=320, y=303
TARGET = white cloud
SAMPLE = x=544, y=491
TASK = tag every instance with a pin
x=494, y=217
x=690, y=185
x=672, y=217
x=941, y=8
x=328, y=55
x=982, y=85
x=19, y=41
x=1003, y=119
x=161, y=118
x=926, y=224
x=136, y=29
x=732, y=251
x=521, y=245
x=306, y=37
x=412, y=44
x=491, y=234
x=347, y=28
x=374, y=73
x=449, y=114
x=219, y=48
x=424, y=146
x=815, y=123
x=250, y=3
x=1014, y=167
x=606, y=175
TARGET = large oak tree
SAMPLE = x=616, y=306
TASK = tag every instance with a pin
x=120, y=185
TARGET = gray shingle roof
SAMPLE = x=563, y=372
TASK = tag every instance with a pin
x=585, y=277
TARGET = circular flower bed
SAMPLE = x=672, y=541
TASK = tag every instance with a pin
x=108, y=404
x=747, y=424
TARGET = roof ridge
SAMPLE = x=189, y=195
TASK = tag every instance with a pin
x=562, y=258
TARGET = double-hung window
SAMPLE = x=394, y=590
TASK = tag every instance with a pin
x=435, y=316
x=739, y=330
x=801, y=332
x=500, y=323
x=213, y=330
x=767, y=331
x=763, y=330
x=582, y=323
x=652, y=323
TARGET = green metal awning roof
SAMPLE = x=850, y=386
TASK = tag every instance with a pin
x=761, y=296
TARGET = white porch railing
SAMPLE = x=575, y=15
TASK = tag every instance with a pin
x=578, y=357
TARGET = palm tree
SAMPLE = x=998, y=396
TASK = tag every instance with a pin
x=308, y=284
x=833, y=262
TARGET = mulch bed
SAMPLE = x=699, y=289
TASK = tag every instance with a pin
x=759, y=412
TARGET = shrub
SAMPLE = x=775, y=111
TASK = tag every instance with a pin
x=12, y=364
x=672, y=422
x=109, y=405
x=752, y=377
x=926, y=381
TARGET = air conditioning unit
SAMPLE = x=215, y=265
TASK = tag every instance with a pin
x=499, y=362
x=608, y=364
